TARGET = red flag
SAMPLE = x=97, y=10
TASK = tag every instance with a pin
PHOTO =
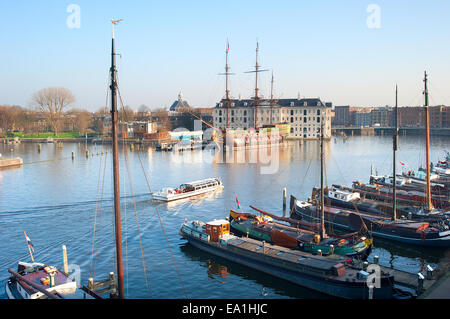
x=402, y=163
x=237, y=201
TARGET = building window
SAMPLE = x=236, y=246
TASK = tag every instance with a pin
x=318, y=119
x=318, y=112
x=304, y=112
x=292, y=120
x=220, y=120
x=220, y=112
x=304, y=120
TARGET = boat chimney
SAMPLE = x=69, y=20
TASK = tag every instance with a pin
x=51, y=275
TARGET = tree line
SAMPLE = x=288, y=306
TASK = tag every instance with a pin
x=49, y=112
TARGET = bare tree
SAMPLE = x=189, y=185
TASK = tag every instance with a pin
x=82, y=120
x=52, y=102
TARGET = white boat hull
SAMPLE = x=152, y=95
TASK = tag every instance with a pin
x=172, y=197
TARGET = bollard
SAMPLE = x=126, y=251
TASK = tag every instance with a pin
x=429, y=272
x=370, y=292
x=376, y=259
x=331, y=249
x=365, y=265
x=420, y=279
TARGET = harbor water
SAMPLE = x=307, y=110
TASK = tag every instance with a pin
x=59, y=200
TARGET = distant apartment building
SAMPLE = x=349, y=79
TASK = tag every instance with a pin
x=382, y=116
x=303, y=115
x=362, y=117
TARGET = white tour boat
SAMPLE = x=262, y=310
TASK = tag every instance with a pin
x=188, y=189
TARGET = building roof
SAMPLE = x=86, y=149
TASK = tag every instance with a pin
x=279, y=102
x=179, y=104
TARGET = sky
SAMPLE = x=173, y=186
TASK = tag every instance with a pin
x=345, y=52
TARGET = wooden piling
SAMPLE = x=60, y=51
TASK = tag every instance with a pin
x=66, y=265
x=284, y=201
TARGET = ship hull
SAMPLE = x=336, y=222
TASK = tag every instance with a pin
x=329, y=286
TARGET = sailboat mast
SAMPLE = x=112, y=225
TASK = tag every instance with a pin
x=322, y=201
x=227, y=91
x=395, y=142
x=114, y=117
x=256, y=86
x=271, y=98
x=427, y=143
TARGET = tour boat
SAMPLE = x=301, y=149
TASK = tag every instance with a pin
x=37, y=281
x=332, y=276
x=188, y=189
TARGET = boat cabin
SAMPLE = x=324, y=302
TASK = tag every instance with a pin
x=342, y=195
x=217, y=229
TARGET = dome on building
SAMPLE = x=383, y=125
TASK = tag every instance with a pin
x=179, y=104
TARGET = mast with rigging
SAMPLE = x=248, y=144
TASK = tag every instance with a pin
x=114, y=119
x=256, y=97
x=429, y=205
x=395, y=143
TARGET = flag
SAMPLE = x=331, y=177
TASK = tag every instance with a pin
x=401, y=163
x=30, y=245
x=237, y=201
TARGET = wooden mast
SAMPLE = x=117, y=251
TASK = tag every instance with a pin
x=114, y=117
x=271, y=98
x=227, y=91
x=395, y=141
x=256, y=98
x=429, y=206
x=322, y=201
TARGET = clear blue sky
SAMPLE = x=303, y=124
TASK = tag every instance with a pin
x=315, y=48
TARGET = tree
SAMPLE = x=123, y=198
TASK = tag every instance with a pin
x=52, y=102
x=81, y=119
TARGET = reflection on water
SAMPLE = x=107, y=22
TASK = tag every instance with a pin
x=56, y=200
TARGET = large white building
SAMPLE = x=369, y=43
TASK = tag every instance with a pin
x=303, y=115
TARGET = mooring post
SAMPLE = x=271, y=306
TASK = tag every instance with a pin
x=73, y=155
x=39, y=148
x=66, y=264
x=375, y=260
x=420, y=279
x=87, y=153
x=284, y=202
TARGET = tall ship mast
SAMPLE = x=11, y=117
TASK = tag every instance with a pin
x=256, y=97
x=227, y=91
x=115, y=142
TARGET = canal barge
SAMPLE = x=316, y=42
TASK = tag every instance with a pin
x=264, y=228
x=324, y=274
x=188, y=189
x=401, y=230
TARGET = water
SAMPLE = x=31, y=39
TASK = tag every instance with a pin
x=56, y=199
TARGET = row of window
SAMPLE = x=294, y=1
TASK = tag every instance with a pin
x=305, y=112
